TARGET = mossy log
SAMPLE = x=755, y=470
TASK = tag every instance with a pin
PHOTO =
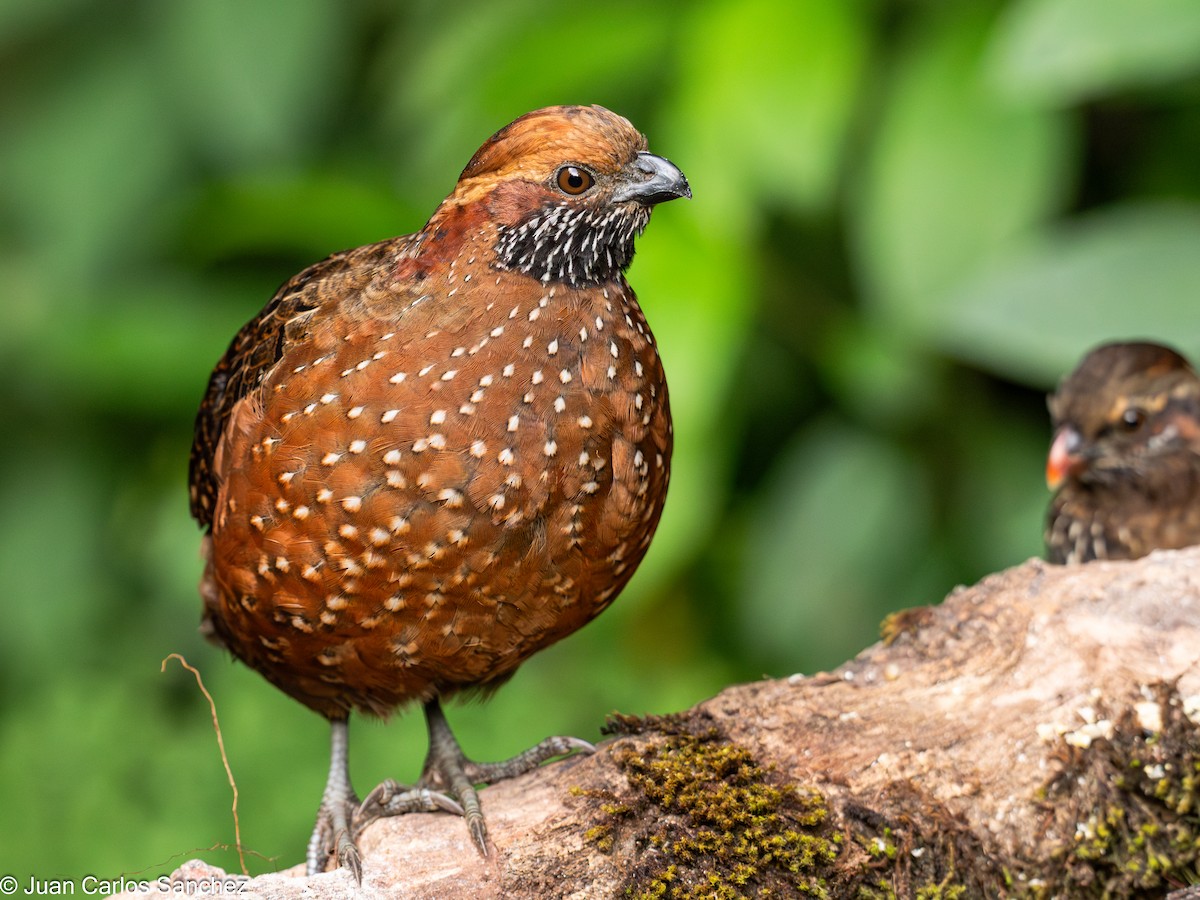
x=1031, y=736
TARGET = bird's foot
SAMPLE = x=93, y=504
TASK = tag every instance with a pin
x=449, y=779
x=389, y=798
x=526, y=761
x=333, y=837
x=449, y=769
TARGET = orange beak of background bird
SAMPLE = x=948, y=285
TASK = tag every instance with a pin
x=1064, y=459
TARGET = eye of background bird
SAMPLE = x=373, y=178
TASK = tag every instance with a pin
x=1132, y=419
x=574, y=180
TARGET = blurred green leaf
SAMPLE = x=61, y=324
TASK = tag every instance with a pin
x=1129, y=272
x=767, y=93
x=51, y=514
x=21, y=18
x=251, y=83
x=312, y=215
x=953, y=174
x=1064, y=51
x=86, y=168
x=994, y=475
x=147, y=350
x=491, y=62
x=842, y=518
x=697, y=289
x=878, y=375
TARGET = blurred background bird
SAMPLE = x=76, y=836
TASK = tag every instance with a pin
x=915, y=218
x=1124, y=461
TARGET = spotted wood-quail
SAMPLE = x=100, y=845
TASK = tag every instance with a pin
x=1125, y=457
x=430, y=457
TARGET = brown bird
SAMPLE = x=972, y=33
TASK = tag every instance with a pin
x=428, y=458
x=1125, y=457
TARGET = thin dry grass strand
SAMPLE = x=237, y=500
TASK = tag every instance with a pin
x=237, y=826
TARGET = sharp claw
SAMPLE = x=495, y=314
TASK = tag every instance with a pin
x=478, y=829
x=349, y=857
x=445, y=802
x=375, y=797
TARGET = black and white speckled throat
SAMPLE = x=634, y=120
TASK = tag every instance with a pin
x=575, y=245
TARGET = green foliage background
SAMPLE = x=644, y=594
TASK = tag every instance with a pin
x=909, y=219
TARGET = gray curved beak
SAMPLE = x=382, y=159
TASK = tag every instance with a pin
x=652, y=179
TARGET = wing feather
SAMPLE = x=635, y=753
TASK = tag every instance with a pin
x=258, y=347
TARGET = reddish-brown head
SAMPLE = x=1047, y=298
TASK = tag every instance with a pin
x=567, y=188
x=536, y=144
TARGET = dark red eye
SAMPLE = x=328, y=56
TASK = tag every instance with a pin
x=574, y=180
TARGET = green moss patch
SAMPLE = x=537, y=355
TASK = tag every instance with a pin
x=705, y=820
x=1131, y=803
